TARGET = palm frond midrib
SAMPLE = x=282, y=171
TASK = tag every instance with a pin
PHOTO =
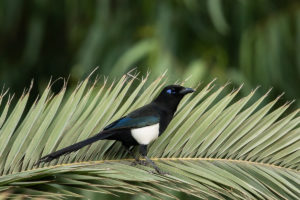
x=234, y=161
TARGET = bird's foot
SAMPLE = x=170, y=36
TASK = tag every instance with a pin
x=139, y=162
x=143, y=162
x=159, y=171
x=133, y=163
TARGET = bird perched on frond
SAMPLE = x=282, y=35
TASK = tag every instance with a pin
x=140, y=127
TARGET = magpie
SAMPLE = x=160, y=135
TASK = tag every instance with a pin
x=140, y=127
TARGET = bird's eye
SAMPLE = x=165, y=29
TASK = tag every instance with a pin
x=171, y=91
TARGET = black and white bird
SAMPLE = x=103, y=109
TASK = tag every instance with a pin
x=140, y=127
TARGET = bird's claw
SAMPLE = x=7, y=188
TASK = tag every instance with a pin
x=139, y=162
x=142, y=162
x=158, y=171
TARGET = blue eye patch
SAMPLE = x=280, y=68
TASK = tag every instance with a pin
x=170, y=91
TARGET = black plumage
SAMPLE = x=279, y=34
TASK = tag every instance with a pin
x=138, y=127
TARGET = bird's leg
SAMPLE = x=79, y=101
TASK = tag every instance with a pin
x=137, y=160
x=143, y=152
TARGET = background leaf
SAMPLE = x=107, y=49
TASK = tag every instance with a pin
x=215, y=147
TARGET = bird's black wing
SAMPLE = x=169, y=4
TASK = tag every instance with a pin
x=132, y=122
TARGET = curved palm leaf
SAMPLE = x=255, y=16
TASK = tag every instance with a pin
x=212, y=148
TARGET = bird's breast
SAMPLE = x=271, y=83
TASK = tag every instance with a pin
x=146, y=134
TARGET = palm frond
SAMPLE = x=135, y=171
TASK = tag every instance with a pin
x=214, y=147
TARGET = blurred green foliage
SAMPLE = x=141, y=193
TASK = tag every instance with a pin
x=253, y=42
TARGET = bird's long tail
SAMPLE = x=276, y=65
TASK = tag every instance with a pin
x=74, y=147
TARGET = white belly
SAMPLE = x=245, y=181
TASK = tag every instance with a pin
x=146, y=134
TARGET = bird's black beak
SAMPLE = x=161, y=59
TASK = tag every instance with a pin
x=186, y=91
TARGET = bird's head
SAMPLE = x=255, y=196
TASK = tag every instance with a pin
x=171, y=95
